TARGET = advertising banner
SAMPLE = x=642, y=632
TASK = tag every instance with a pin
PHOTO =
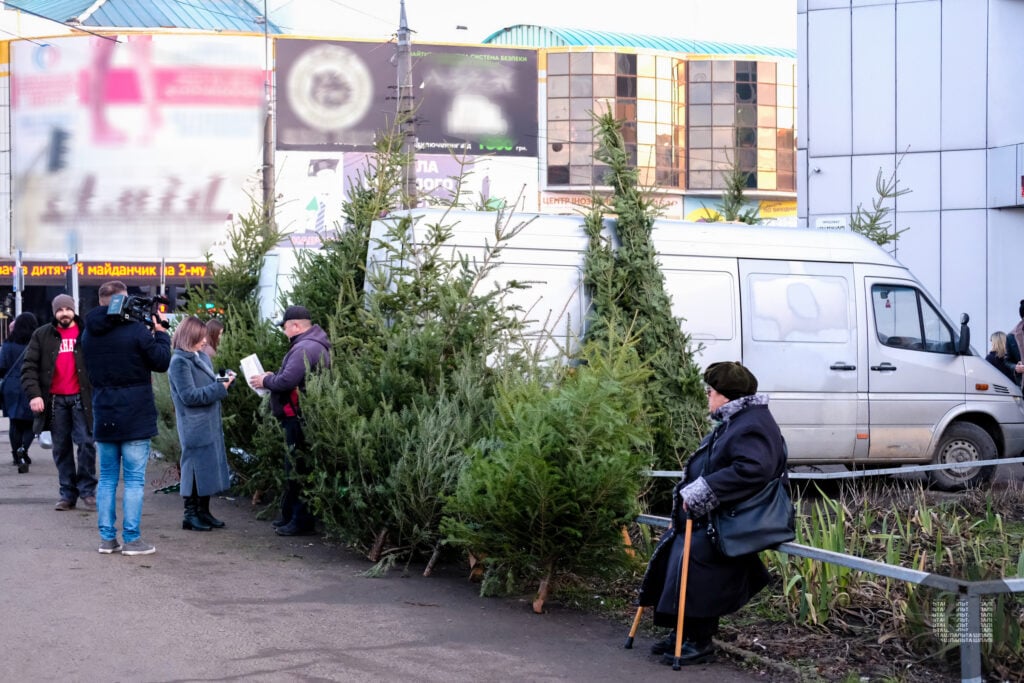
x=312, y=186
x=133, y=146
x=341, y=95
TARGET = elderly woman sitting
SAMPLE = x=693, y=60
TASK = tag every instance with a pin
x=743, y=452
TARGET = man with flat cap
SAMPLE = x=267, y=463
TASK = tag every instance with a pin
x=308, y=345
x=744, y=452
x=57, y=385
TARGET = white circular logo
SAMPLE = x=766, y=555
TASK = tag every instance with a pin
x=330, y=87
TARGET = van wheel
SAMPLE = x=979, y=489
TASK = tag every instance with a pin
x=963, y=442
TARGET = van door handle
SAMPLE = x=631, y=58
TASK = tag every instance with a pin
x=884, y=367
x=840, y=365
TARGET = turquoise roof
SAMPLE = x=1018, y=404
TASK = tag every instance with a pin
x=527, y=35
x=205, y=15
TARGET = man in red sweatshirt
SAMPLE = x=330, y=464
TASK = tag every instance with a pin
x=54, y=379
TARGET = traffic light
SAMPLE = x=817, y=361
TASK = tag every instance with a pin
x=57, y=158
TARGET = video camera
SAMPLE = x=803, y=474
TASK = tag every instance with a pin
x=141, y=309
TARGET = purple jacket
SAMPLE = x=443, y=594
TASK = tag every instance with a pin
x=285, y=384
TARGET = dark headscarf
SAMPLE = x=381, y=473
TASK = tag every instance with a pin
x=24, y=325
x=730, y=379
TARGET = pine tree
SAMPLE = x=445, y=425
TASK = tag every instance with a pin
x=628, y=291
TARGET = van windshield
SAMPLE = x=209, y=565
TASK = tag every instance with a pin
x=905, y=319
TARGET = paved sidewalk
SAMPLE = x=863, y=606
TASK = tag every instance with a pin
x=241, y=603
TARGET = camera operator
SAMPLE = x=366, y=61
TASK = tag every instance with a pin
x=120, y=354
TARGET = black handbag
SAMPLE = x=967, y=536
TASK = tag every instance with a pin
x=760, y=522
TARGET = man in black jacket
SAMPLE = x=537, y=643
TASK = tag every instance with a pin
x=121, y=355
x=57, y=386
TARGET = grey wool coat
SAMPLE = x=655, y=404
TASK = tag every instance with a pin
x=197, y=395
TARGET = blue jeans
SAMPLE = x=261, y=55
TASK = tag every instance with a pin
x=135, y=456
x=69, y=429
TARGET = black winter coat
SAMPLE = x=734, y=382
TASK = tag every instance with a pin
x=737, y=459
x=40, y=363
x=15, y=400
x=120, y=357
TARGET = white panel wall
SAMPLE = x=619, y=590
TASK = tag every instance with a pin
x=828, y=188
x=864, y=175
x=920, y=174
x=919, y=247
x=828, y=83
x=918, y=65
x=1005, y=287
x=964, y=34
x=801, y=186
x=963, y=179
x=1006, y=65
x=963, y=260
x=873, y=43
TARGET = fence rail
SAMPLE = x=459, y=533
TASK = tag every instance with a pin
x=969, y=594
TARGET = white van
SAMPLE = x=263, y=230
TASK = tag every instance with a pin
x=861, y=366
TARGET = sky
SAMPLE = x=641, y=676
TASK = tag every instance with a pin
x=758, y=22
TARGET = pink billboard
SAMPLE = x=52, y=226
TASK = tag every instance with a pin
x=133, y=146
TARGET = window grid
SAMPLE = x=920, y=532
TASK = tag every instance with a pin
x=684, y=122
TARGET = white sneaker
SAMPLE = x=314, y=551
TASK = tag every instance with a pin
x=108, y=547
x=137, y=547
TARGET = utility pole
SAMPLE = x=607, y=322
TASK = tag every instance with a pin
x=406, y=110
x=268, y=123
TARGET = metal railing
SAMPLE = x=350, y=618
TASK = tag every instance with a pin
x=969, y=594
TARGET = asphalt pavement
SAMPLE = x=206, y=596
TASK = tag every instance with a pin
x=241, y=603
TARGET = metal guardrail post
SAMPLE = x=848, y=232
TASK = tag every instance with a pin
x=969, y=622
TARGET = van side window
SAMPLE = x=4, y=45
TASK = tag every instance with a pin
x=703, y=299
x=905, y=319
x=799, y=308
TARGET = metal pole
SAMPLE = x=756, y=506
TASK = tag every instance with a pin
x=18, y=284
x=969, y=628
x=268, y=125
x=406, y=110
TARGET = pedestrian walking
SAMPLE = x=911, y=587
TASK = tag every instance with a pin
x=55, y=380
x=309, y=346
x=16, y=403
x=744, y=452
x=197, y=392
x=120, y=356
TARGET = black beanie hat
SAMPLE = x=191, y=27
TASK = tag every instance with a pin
x=730, y=379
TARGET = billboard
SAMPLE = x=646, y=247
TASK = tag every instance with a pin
x=133, y=146
x=340, y=95
x=312, y=186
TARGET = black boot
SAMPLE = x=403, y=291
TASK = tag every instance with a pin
x=191, y=520
x=21, y=456
x=204, y=513
x=302, y=523
x=288, y=500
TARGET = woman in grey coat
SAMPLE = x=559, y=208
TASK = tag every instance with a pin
x=197, y=394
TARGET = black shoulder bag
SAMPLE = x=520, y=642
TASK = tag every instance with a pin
x=758, y=523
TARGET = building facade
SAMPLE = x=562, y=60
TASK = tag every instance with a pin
x=927, y=90
x=690, y=110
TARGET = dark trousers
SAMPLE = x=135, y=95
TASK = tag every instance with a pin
x=293, y=507
x=69, y=429
x=21, y=435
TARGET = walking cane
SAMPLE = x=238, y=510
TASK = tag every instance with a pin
x=632, y=631
x=682, y=593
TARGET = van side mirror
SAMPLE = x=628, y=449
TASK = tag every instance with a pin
x=963, y=347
